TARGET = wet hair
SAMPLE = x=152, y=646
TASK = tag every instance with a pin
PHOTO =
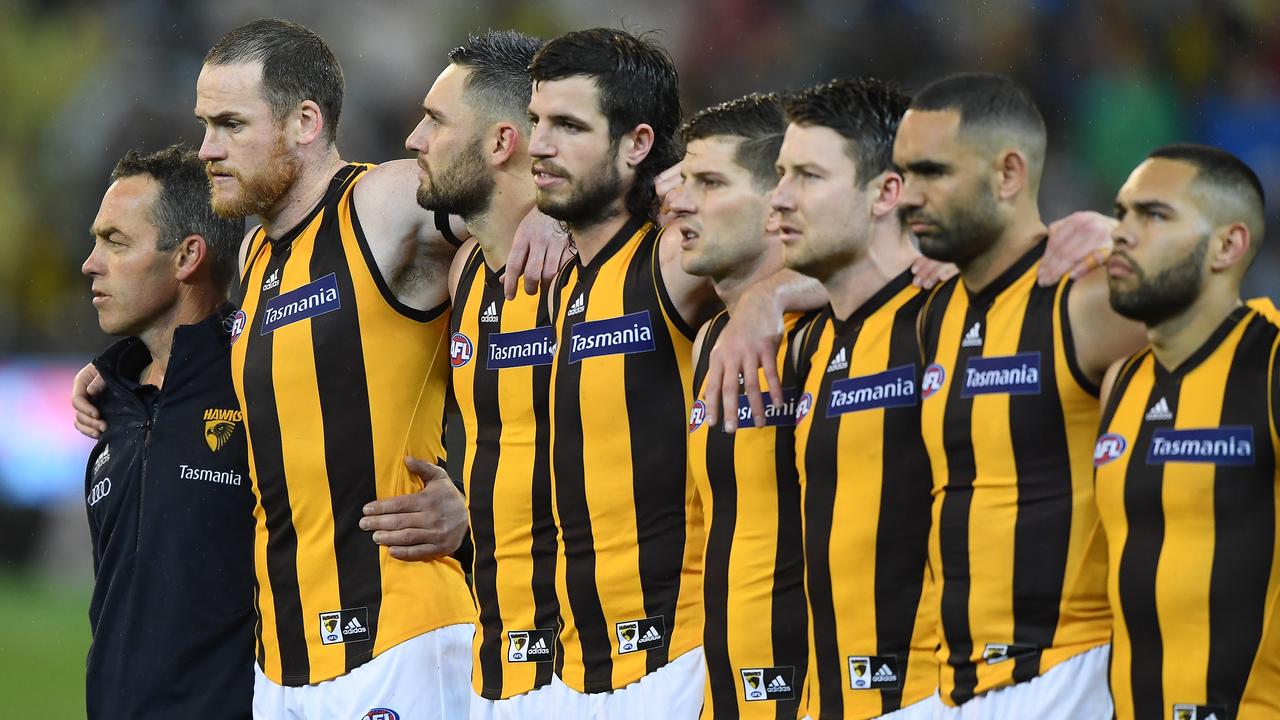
x=864, y=111
x=182, y=207
x=637, y=83
x=755, y=119
x=498, y=84
x=296, y=66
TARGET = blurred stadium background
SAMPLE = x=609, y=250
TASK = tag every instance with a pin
x=82, y=82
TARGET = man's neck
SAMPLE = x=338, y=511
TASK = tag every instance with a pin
x=1177, y=338
x=730, y=287
x=1017, y=239
x=495, y=229
x=889, y=254
x=192, y=306
x=307, y=190
x=591, y=239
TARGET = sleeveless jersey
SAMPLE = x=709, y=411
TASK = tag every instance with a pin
x=1009, y=420
x=866, y=486
x=501, y=352
x=628, y=575
x=1187, y=491
x=753, y=575
x=338, y=381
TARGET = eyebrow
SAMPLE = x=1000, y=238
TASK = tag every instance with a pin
x=433, y=113
x=106, y=232
x=220, y=117
x=921, y=167
x=1148, y=206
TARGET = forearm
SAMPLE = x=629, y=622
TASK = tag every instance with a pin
x=789, y=291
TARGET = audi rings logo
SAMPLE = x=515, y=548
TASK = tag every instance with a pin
x=100, y=490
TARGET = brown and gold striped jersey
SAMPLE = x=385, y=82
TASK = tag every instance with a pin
x=1009, y=419
x=866, y=481
x=501, y=352
x=1187, y=490
x=338, y=381
x=629, y=571
x=754, y=636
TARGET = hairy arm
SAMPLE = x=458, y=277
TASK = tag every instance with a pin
x=412, y=256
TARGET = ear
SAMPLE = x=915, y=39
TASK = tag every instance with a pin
x=1229, y=246
x=888, y=190
x=636, y=145
x=189, y=257
x=1011, y=174
x=504, y=142
x=308, y=123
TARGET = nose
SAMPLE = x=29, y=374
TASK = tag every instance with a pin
x=782, y=199
x=1122, y=236
x=539, y=145
x=91, y=266
x=210, y=149
x=911, y=195
x=681, y=200
x=417, y=140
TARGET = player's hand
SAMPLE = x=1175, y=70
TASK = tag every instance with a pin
x=1078, y=244
x=537, y=252
x=664, y=184
x=928, y=272
x=425, y=525
x=748, y=344
x=87, y=384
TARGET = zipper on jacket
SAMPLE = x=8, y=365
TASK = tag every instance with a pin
x=146, y=428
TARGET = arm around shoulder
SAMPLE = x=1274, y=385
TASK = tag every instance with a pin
x=1100, y=335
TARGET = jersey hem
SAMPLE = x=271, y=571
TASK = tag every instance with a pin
x=1044, y=668
x=302, y=681
x=677, y=652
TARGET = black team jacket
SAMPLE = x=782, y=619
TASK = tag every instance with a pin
x=170, y=509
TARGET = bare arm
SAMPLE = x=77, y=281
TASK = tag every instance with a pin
x=538, y=251
x=1109, y=380
x=1101, y=336
x=411, y=254
x=1078, y=244
x=750, y=343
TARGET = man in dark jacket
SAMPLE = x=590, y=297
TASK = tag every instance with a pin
x=168, y=491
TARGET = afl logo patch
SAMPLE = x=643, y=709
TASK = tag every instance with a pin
x=803, y=406
x=381, y=714
x=1110, y=447
x=235, y=323
x=460, y=350
x=697, y=416
x=932, y=380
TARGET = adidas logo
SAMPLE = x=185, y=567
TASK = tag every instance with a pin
x=651, y=635
x=839, y=362
x=273, y=281
x=353, y=627
x=540, y=646
x=490, y=314
x=973, y=338
x=1159, y=411
x=884, y=674
x=779, y=685
x=577, y=306
x=102, y=460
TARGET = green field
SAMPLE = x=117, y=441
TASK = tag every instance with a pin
x=42, y=647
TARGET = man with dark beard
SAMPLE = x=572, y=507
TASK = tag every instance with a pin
x=1008, y=411
x=472, y=146
x=1187, y=477
x=605, y=110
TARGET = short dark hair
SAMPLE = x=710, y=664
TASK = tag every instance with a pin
x=1230, y=177
x=758, y=120
x=865, y=111
x=296, y=66
x=498, y=84
x=637, y=82
x=989, y=102
x=182, y=207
